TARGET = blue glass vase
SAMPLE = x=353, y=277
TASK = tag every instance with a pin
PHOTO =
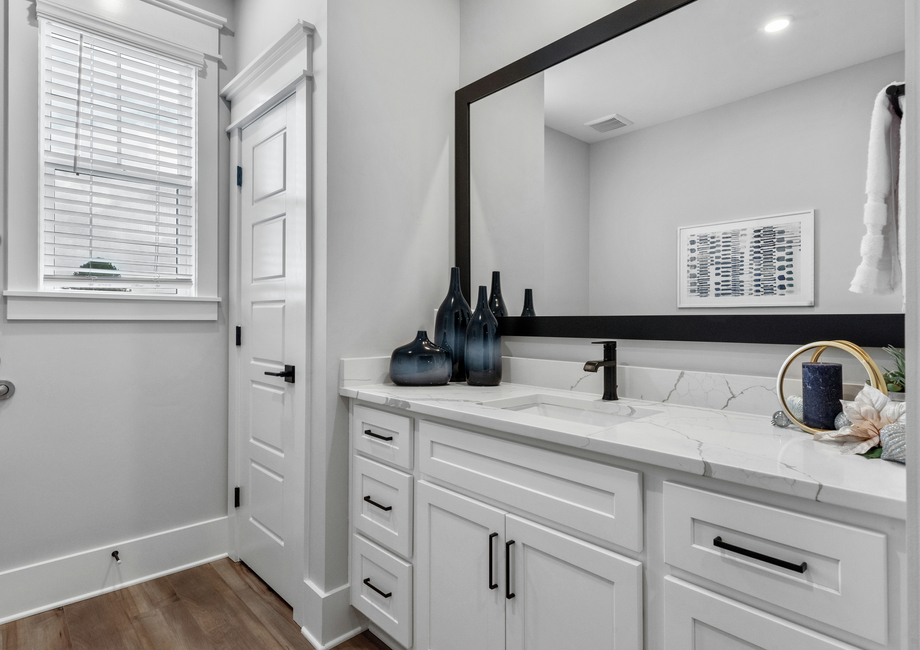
x=528, y=303
x=420, y=363
x=450, y=325
x=483, y=346
x=496, y=302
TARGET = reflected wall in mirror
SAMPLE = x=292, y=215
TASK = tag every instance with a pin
x=725, y=122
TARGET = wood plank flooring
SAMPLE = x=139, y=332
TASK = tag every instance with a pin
x=217, y=606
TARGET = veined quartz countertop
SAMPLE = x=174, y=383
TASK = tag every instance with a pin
x=734, y=447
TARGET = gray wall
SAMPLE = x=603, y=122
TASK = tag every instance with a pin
x=567, y=208
x=798, y=147
x=117, y=430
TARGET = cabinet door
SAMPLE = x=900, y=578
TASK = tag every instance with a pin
x=569, y=593
x=456, y=606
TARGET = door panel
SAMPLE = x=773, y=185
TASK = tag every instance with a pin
x=272, y=411
x=456, y=609
x=569, y=591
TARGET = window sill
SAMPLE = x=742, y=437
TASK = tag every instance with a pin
x=55, y=305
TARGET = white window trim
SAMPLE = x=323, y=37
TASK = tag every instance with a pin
x=170, y=27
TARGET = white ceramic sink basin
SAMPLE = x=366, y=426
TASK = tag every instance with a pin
x=572, y=409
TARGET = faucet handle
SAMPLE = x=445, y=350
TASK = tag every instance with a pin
x=613, y=343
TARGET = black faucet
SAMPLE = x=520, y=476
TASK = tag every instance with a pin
x=609, y=364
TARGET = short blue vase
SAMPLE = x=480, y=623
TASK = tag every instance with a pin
x=420, y=363
x=450, y=325
x=483, y=346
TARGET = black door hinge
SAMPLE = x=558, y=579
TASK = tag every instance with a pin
x=239, y=176
x=236, y=497
x=239, y=335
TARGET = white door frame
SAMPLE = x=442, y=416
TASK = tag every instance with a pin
x=280, y=72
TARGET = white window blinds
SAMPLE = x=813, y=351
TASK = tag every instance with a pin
x=118, y=166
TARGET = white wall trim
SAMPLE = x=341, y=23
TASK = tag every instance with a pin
x=271, y=77
x=190, y=53
x=190, y=11
x=329, y=617
x=57, y=582
x=274, y=56
x=47, y=305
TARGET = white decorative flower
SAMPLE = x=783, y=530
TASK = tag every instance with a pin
x=868, y=413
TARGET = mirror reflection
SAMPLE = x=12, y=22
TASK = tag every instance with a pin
x=717, y=120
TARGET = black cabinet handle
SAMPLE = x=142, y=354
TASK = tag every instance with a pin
x=508, y=593
x=798, y=568
x=374, y=503
x=491, y=562
x=367, y=581
x=370, y=433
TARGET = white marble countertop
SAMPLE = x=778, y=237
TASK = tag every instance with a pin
x=734, y=447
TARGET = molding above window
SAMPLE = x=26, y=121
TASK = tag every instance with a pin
x=190, y=11
x=58, y=305
x=169, y=27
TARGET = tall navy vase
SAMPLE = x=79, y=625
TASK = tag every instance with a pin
x=483, y=346
x=496, y=302
x=420, y=363
x=450, y=325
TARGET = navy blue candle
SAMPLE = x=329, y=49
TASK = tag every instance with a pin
x=822, y=390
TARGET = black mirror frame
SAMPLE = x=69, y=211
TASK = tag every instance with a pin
x=868, y=330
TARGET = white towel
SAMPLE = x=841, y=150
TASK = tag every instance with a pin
x=882, y=263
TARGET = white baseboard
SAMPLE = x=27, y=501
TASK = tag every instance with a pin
x=60, y=581
x=329, y=618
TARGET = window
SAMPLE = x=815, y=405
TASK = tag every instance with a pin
x=118, y=166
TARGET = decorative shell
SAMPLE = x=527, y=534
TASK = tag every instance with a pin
x=796, y=406
x=894, y=442
x=842, y=421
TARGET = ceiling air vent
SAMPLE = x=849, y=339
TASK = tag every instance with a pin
x=609, y=123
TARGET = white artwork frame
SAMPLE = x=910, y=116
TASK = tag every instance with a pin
x=700, y=283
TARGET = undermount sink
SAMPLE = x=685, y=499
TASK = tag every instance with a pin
x=572, y=409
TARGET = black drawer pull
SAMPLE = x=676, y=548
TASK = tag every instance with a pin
x=374, y=503
x=798, y=568
x=370, y=433
x=367, y=581
x=492, y=585
x=508, y=593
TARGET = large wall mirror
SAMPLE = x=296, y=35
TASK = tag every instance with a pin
x=717, y=120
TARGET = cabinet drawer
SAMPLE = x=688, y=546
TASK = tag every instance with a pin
x=382, y=501
x=383, y=435
x=594, y=498
x=381, y=588
x=844, y=583
x=697, y=619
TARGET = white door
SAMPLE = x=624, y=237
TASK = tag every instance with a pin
x=273, y=313
x=460, y=596
x=570, y=593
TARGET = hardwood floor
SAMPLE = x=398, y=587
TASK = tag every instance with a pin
x=219, y=606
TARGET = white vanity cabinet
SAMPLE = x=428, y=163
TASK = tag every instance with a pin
x=492, y=580
x=465, y=537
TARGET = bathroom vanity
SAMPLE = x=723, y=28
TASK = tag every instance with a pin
x=525, y=517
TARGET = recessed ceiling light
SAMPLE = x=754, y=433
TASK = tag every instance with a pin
x=777, y=24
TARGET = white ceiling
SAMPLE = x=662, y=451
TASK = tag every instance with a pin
x=714, y=52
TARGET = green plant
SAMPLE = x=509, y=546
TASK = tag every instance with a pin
x=102, y=266
x=895, y=379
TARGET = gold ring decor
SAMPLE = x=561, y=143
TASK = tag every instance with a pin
x=876, y=379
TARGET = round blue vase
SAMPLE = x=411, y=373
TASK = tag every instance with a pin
x=450, y=325
x=420, y=363
x=483, y=346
